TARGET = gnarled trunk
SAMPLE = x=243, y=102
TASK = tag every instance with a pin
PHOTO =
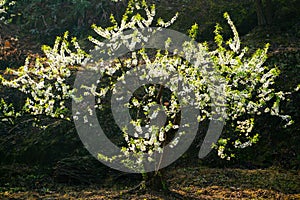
x=154, y=181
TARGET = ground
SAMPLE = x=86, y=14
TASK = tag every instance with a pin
x=184, y=183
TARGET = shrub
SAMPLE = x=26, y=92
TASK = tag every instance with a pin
x=246, y=92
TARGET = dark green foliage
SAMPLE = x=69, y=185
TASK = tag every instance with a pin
x=25, y=144
x=53, y=17
x=207, y=13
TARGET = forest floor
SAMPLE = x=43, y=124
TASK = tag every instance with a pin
x=184, y=183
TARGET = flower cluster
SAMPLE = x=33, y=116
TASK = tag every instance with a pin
x=4, y=6
x=44, y=80
x=249, y=90
x=245, y=85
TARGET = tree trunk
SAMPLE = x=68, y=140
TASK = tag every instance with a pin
x=261, y=19
x=269, y=12
x=264, y=12
x=154, y=181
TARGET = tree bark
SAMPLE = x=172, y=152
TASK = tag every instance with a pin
x=155, y=181
x=264, y=12
x=269, y=12
x=261, y=19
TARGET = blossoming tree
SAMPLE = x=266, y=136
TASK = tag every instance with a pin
x=246, y=90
